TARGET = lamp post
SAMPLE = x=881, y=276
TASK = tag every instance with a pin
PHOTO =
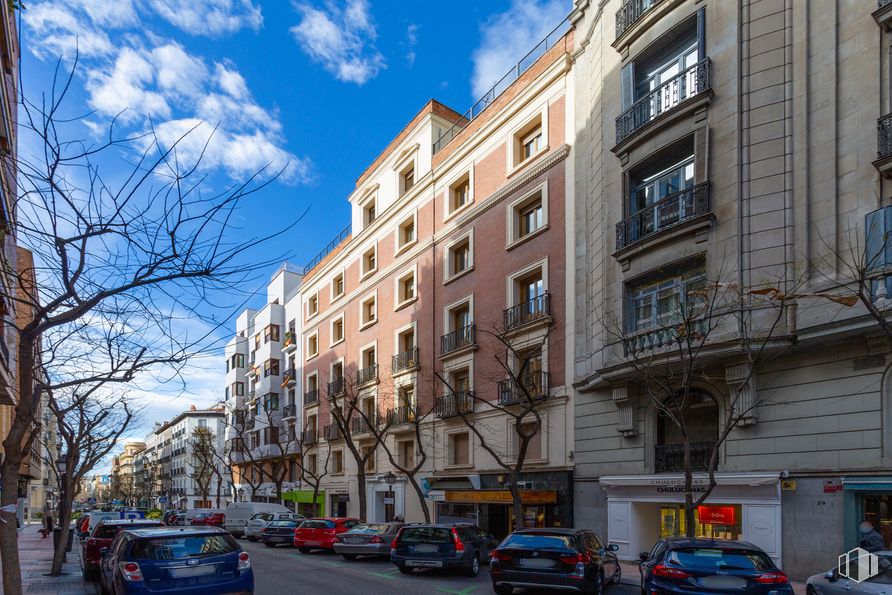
x=390, y=510
x=62, y=470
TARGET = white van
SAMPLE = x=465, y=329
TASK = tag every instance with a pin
x=238, y=514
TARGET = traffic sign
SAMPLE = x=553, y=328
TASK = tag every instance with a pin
x=91, y=500
x=162, y=500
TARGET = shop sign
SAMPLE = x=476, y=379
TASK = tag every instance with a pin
x=388, y=500
x=788, y=485
x=676, y=486
x=343, y=497
x=831, y=487
x=500, y=496
x=716, y=515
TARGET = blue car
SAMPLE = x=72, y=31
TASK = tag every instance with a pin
x=176, y=560
x=714, y=566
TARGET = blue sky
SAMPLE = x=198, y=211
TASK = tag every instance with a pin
x=317, y=87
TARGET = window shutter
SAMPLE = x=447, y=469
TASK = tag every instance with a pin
x=876, y=245
x=627, y=75
x=701, y=34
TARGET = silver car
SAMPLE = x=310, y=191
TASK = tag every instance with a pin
x=367, y=539
x=257, y=523
x=833, y=583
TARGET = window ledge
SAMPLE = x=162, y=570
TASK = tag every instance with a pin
x=336, y=343
x=402, y=305
x=461, y=466
x=456, y=352
x=459, y=275
x=367, y=275
x=452, y=214
x=515, y=243
x=314, y=356
x=405, y=247
x=527, y=162
x=368, y=324
x=337, y=297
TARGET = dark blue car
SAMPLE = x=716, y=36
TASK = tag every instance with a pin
x=715, y=566
x=175, y=560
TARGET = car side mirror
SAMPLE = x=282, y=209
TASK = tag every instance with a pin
x=612, y=548
x=643, y=556
x=832, y=575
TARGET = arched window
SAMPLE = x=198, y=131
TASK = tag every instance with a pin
x=700, y=415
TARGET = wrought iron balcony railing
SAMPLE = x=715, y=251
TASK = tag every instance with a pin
x=404, y=414
x=532, y=385
x=406, y=360
x=631, y=11
x=457, y=339
x=663, y=336
x=359, y=425
x=669, y=458
x=336, y=387
x=289, y=411
x=308, y=436
x=367, y=374
x=537, y=308
x=884, y=135
x=332, y=432
x=289, y=377
x=250, y=422
x=667, y=212
x=311, y=397
x=454, y=404
x=691, y=82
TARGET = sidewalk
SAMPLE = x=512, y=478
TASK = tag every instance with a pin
x=632, y=577
x=36, y=556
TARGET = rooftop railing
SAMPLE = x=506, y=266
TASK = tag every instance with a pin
x=328, y=249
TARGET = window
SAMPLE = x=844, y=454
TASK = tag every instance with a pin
x=271, y=333
x=405, y=288
x=337, y=330
x=527, y=215
x=459, y=194
x=666, y=299
x=337, y=286
x=701, y=420
x=406, y=454
x=405, y=233
x=460, y=316
x=367, y=357
x=657, y=197
x=530, y=217
x=407, y=178
x=310, y=464
x=459, y=257
x=270, y=368
x=238, y=389
x=370, y=261
x=271, y=401
x=406, y=396
x=406, y=340
x=529, y=141
x=337, y=462
x=312, y=305
x=237, y=361
x=460, y=379
x=313, y=345
x=459, y=452
x=368, y=314
x=368, y=451
x=534, y=446
x=271, y=435
x=256, y=341
x=337, y=371
x=368, y=213
x=530, y=287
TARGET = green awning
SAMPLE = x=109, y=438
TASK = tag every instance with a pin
x=304, y=496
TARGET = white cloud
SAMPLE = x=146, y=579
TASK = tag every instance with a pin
x=61, y=33
x=342, y=40
x=410, y=43
x=508, y=36
x=127, y=88
x=210, y=17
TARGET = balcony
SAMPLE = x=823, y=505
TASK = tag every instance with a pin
x=883, y=14
x=630, y=12
x=289, y=411
x=367, y=375
x=336, y=387
x=532, y=385
x=399, y=416
x=533, y=310
x=332, y=432
x=883, y=161
x=407, y=360
x=359, y=425
x=253, y=371
x=289, y=343
x=459, y=339
x=661, y=101
x=669, y=458
x=454, y=405
x=308, y=437
x=661, y=337
x=289, y=377
x=311, y=397
x=250, y=422
x=667, y=213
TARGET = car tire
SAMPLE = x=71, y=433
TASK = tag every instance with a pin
x=474, y=568
x=304, y=550
x=349, y=556
x=503, y=589
x=405, y=569
x=598, y=586
x=268, y=544
x=809, y=590
x=617, y=575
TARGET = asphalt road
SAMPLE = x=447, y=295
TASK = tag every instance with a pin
x=285, y=570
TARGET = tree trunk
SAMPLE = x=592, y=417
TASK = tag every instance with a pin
x=64, y=523
x=316, y=499
x=421, y=500
x=360, y=484
x=689, y=527
x=29, y=399
x=517, y=507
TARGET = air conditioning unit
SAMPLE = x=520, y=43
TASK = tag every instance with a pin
x=524, y=485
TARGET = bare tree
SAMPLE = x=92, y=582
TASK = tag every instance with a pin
x=120, y=261
x=281, y=448
x=203, y=443
x=241, y=454
x=310, y=471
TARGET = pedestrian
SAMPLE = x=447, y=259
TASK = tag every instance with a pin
x=47, y=521
x=871, y=539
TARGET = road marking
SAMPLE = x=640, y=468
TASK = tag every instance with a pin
x=465, y=591
x=387, y=573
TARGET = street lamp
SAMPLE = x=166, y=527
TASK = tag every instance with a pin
x=390, y=479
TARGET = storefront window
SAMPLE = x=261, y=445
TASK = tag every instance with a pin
x=719, y=521
x=878, y=511
x=448, y=512
x=533, y=517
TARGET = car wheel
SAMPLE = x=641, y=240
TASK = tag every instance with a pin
x=809, y=590
x=349, y=556
x=474, y=568
x=304, y=550
x=598, y=587
x=617, y=575
x=405, y=569
x=503, y=589
x=268, y=544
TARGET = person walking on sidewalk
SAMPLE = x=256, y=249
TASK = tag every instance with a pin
x=871, y=539
x=47, y=521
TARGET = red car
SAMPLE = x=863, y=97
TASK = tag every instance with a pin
x=319, y=533
x=101, y=536
x=213, y=519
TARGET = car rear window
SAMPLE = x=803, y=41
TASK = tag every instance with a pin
x=536, y=542
x=370, y=529
x=179, y=548
x=283, y=524
x=105, y=531
x=317, y=524
x=720, y=558
x=262, y=516
x=426, y=535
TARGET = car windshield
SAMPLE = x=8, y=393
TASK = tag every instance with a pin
x=283, y=524
x=720, y=558
x=262, y=516
x=370, y=529
x=179, y=548
x=884, y=575
x=426, y=535
x=538, y=542
x=317, y=524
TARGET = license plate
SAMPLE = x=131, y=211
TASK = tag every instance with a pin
x=193, y=571
x=723, y=582
x=537, y=563
x=425, y=548
x=355, y=540
x=424, y=563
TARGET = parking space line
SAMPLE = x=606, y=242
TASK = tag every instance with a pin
x=465, y=591
x=386, y=573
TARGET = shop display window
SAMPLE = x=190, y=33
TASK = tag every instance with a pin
x=720, y=521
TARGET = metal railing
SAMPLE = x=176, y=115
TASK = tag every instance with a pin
x=367, y=374
x=289, y=339
x=884, y=135
x=532, y=385
x=404, y=414
x=359, y=425
x=691, y=82
x=328, y=249
x=289, y=376
x=667, y=212
x=311, y=397
x=454, y=404
x=663, y=336
x=531, y=310
x=308, y=436
x=249, y=423
x=502, y=84
x=457, y=339
x=882, y=3
x=631, y=11
x=336, y=387
x=332, y=432
x=670, y=457
x=289, y=411
x=406, y=360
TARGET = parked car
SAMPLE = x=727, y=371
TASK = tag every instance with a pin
x=833, y=583
x=185, y=517
x=101, y=536
x=238, y=514
x=213, y=519
x=367, y=539
x=682, y=565
x=92, y=519
x=320, y=533
x=168, y=516
x=256, y=524
x=277, y=532
x=456, y=546
x=181, y=560
x=556, y=558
